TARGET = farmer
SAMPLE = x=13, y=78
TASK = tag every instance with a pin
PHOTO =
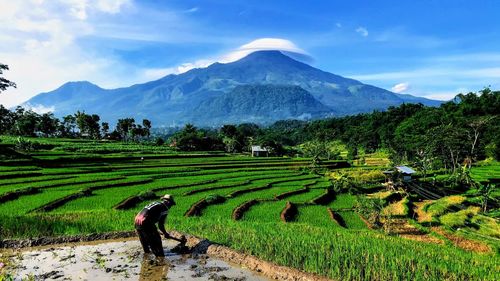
x=145, y=221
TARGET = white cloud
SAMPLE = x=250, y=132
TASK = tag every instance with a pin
x=40, y=109
x=445, y=95
x=338, y=24
x=80, y=8
x=261, y=44
x=39, y=45
x=362, y=31
x=401, y=87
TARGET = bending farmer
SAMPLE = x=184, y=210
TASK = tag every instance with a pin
x=145, y=221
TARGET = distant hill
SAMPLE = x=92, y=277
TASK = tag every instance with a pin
x=262, y=87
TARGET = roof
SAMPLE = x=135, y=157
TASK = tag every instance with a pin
x=258, y=148
x=405, y=170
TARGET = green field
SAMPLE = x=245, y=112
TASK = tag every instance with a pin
x=101, y=176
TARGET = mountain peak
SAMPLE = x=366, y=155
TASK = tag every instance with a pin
x=268, y=55
x=80, y=84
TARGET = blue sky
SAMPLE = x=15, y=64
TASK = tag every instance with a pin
x=425, y=48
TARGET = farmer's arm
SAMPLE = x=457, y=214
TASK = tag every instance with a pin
x=161, y=225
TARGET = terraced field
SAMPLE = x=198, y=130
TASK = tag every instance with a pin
x=269, y=207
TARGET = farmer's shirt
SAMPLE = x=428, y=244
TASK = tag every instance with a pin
x=152, y=213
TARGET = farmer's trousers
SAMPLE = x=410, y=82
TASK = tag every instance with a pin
x=150, y=239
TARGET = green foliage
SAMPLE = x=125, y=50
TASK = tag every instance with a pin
x=371, y=209
x=4, y=82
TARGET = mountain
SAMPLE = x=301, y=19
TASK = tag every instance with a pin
x=255, y=87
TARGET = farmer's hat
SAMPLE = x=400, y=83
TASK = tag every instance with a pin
x=169, y=198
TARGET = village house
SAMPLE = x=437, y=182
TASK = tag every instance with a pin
x=258, y=151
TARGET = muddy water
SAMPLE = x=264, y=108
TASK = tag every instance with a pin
x=117, y=260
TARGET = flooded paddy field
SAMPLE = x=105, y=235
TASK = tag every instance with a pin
x=117, y=260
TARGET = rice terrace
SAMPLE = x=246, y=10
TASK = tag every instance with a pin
x=242, y=202
x=177, y=140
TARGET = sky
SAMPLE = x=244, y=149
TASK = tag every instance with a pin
x=430, y=48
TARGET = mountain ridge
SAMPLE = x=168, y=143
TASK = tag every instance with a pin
x=170, y=99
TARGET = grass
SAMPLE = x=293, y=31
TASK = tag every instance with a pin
x=460, y=218
x=343, y=201
x=441, y=206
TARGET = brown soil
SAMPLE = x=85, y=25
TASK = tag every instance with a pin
x=197, y=208
x=418, y=210
x=241, y=209
x=43, y=241
x=86, y=192
x=324, y=198
x=128, y=203
x=13, y=195
x=336, y=217
x=61, y=201
x=462, y=242
x=289, y=212
x=404, y=229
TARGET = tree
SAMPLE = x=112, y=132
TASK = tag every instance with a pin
x=48, y=124
x=68, y=126
x=476, y=126
x=7, y=120
x=25, y=122
x=189, y=138
x=485, y=191
x=124, y=126
x=88, y=124
x=147, y=127
x=105, y=129
x=4, y=83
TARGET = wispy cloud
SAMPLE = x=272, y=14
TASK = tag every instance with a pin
x=192, y=10
x=491, y=72
x=261, y=44
x=401, y=87
x=362, y=31
x=400, y=37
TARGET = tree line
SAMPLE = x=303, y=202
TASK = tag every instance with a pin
x=25, y=122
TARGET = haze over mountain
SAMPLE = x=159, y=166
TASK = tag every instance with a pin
x=262, y=87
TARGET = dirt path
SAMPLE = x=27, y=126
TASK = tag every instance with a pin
x=462, y=242
x=404, y=229
x=117, y=260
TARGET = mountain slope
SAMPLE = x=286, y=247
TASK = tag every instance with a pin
x=260, y=104
x=173, y=99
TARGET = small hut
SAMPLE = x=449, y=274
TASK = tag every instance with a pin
x=258, y=151
x=405, y=172
x=398, y=174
